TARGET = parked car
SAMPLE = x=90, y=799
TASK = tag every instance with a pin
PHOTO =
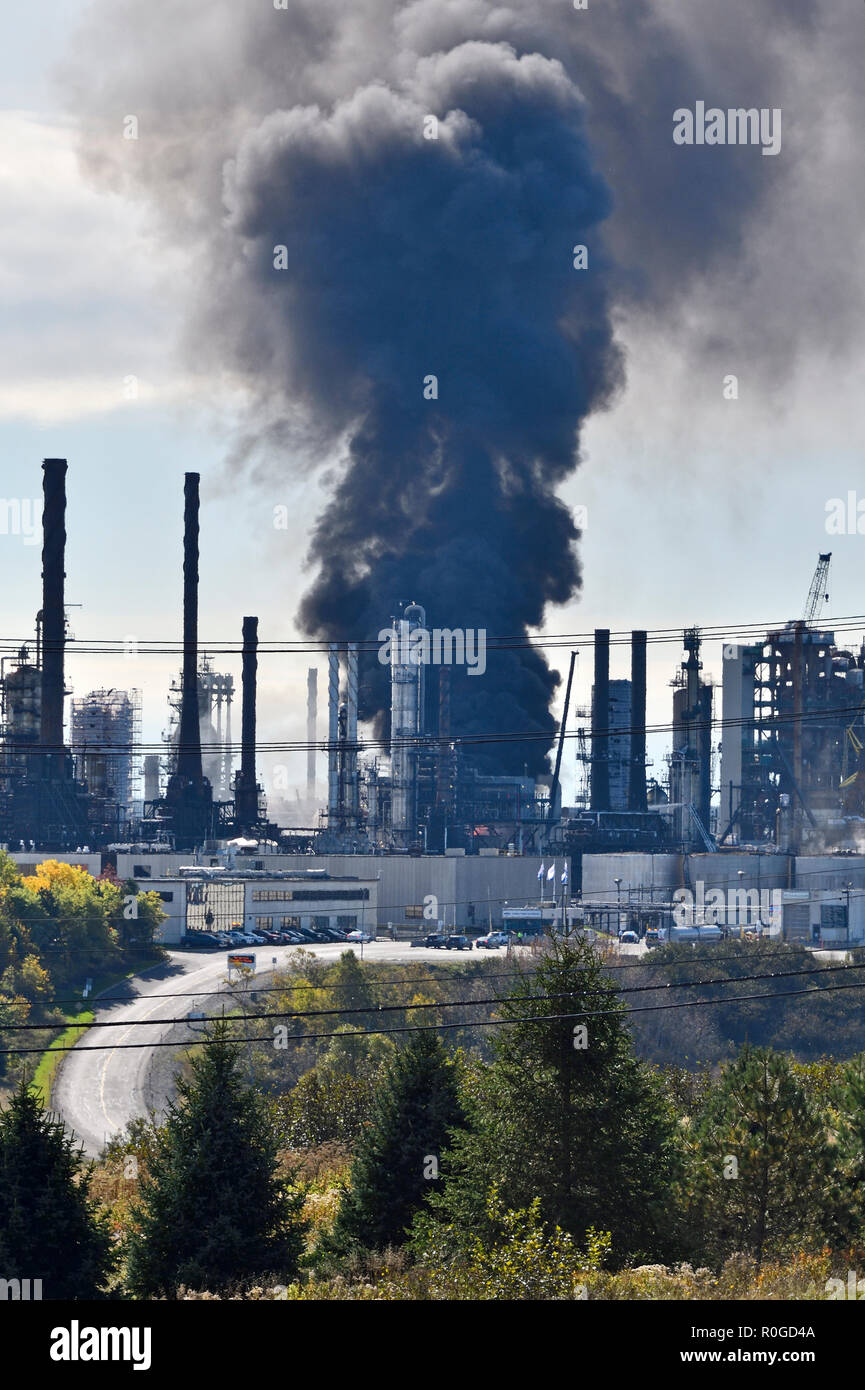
x=359, y=936
x=204, y=940
x=630, y=937
x=493, y=940
x=435, y=940
x=458, y=943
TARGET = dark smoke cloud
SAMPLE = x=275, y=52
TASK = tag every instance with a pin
x=409, y=257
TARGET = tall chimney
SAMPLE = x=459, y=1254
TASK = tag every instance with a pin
x=333, y=731
x=600, y=785
x=351, y=702
x=637, y=781
x=189, y=743
x=311, y=729
x=53, y=611
x=151, y=777
x=246, y=789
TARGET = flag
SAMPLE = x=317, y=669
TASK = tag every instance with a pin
x=541, y=870
x=565, y=874
x=551, y=872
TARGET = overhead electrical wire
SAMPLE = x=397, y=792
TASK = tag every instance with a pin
x=712, y=632
x=603, y=988
x=433, y=742
x=440, y=1027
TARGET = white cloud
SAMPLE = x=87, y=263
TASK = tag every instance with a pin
x=86, y=304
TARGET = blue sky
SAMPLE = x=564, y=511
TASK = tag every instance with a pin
x=700, y=510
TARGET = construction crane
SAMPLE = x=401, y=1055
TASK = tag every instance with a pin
x=818, y=594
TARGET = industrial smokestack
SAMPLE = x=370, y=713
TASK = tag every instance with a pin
x=246, y=788
x=311, y=729
x=151, y=777
x=333, y=731
x=637, y=782
x=53, y=611
x=189, y=742
x=353, y=790
x=600, y=796
x=188, y=795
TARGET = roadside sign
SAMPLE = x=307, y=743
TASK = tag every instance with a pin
x=244, y=960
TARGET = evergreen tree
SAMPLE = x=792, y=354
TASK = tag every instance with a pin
x=565, y=1113
x=764, y=1178
x=212, y=1211
x=416, y=1105
x=49, y=1227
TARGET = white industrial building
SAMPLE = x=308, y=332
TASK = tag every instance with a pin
x=217, y=900
x=414, y=891
x=824, y=917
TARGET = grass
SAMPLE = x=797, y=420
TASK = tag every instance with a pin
x=43, y=1077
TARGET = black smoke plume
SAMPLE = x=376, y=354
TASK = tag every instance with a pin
x=407, y=257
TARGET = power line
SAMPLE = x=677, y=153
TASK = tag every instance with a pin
x=302, y=646
x=443, y=1027
x=433, y=742
x=637, y=963
x=602, y=988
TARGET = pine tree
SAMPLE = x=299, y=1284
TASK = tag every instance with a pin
x=213, y=1212
x=764, y=1176
x=565, y=1113
x=49, y=1227
x=397, y=1160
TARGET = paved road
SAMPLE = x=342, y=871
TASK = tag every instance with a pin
x=97, y=1093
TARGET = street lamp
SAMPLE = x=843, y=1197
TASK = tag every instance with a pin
x=741, y=873
x=618, y=883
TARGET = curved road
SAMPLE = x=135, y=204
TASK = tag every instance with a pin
x=97, y=1093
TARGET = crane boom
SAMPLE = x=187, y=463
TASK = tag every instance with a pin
x=818, y=594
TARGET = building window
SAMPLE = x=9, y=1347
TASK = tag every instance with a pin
x=346, y=920
x=833, y=916
x=167, y=897
x=264, y=923
x=321, y=922
x=414, y=912
x=141, y=871
x=288, y=923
